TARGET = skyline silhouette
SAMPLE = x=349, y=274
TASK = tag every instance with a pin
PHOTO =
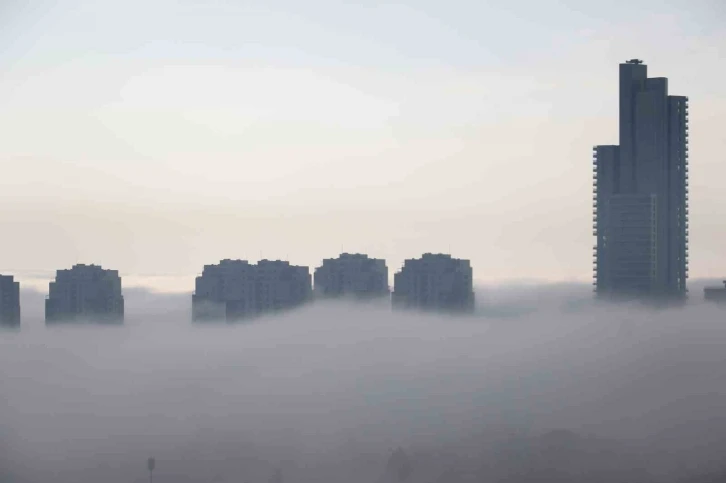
x=171, y=162
x=456, y=137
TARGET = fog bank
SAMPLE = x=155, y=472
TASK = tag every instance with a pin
x=328, y=391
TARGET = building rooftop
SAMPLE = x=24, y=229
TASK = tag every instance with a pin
x=717, y=288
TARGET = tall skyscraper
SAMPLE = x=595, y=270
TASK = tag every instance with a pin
x=9, y=301
x=85, y=292
x=352, y=274
x=640, y=196
x=434, y=282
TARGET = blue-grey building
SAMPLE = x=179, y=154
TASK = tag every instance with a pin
x=640, y=199
x=715, y=294
x=9, y=301
x=434, y=282
x=85, y=293
x=352, y=274
x=235, y=289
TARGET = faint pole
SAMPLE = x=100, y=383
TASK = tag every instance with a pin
x=151, y=464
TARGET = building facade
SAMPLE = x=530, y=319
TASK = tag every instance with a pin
x=236, y=289
x=352, y=275
x=85, y=292
x=9, y=301
x=434, y=282
x=640, y=200
x=230, y=281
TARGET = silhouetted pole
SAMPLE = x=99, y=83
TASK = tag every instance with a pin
x=151, y=464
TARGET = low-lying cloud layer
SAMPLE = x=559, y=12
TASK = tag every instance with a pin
x=326, y=393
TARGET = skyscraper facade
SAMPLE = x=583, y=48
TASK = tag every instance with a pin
x=9, y=301
x=235, y=289
x=434, y=282
x=352, y=274
x=640, y=199
x=85, y=292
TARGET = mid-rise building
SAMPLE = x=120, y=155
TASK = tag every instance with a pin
x=640, y=199
x=9, y=301
x=715, y=294
x=230, y=283
x=434, y=282
x=235, y=289
x=352, y=274
x=281, y=285
x=85, y=292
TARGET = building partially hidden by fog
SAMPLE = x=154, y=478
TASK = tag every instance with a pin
x=434, y=282
x=236, y=289
x=354, y=275
x=9, y=301
x=640, y=196
x=85, y=293
x=715, y=294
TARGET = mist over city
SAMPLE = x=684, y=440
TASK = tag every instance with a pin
x=540, y=382
x=283, y=241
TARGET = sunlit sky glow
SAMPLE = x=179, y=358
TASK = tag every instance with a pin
x=155, y=137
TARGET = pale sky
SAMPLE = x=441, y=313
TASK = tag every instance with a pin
x=153, y=137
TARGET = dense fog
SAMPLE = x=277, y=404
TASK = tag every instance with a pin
x=541, y=384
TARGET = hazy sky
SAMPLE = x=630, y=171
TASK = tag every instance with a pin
x=155, y=137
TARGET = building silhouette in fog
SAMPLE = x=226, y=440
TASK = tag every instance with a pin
x=85, y=292
x=352, y=274
x=715, y=294
x=9, y=301
x=640, y=196
x=235, y=289
x=434, y=282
